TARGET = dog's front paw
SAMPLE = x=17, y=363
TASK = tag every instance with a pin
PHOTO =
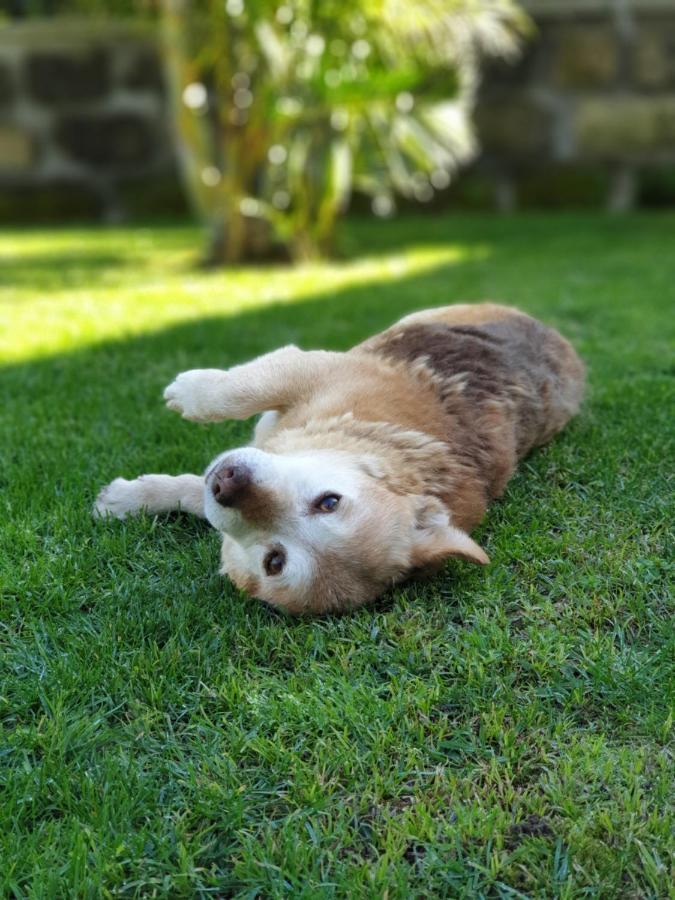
x=120, y=498
x=197, y=395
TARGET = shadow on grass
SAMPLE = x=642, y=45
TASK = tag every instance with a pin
x=56, y=271
x=58, y=268
x=54, y=265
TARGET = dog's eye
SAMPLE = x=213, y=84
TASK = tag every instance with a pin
x=327, y=503
x=274, y=562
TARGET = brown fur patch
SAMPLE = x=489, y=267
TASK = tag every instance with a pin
x=244, y=581
x=258, y=506
x=345, y=581
x=507, y=385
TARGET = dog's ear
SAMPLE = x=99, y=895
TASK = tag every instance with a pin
x=435, y=539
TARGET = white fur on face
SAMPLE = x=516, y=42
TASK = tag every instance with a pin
x=294, y=483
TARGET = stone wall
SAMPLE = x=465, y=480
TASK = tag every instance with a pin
x=587, y=115
x=84, y=129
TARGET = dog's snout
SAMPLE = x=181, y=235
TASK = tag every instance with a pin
x=228, y=482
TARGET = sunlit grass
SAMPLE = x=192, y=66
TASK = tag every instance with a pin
x=502, y=733
x=123, y=283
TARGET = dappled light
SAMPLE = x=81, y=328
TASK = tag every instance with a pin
x=100, y=285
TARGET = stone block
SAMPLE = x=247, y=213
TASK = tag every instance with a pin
x=656, y=187
x=563, y=186
x=472, y=188
x=513, y=126
x=586, y=56
x=54, y=202
x=17, y=150
x=498, y=73
x=7, y=88
x=108, y=139
x=653, y=58
x=626, y=128
x=143, y=70
x=153, y=195
x=59, y=78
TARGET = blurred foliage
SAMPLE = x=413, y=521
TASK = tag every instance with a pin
x=286, y=106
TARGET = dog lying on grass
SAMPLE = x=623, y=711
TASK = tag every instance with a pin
x=369, y=465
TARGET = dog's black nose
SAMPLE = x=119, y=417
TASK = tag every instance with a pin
x=228, y=482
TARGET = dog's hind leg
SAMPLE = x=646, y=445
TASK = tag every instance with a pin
x=275, y=381
x=152, y=494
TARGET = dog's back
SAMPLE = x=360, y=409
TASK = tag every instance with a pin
x=503, y=376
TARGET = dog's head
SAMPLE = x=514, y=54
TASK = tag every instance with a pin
x=321, y=530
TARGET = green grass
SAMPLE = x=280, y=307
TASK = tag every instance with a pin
x=496, y=733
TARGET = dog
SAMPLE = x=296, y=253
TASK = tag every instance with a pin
x=368, y=466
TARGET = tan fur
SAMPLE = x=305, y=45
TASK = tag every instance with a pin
x=461, y=314
x=416, y=430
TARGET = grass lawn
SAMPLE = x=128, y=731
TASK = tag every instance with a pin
x=500, y=732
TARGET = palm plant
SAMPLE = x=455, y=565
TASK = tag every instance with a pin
x=286, y=106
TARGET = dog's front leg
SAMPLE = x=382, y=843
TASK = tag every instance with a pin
x=152, y=494
x=271, y=382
